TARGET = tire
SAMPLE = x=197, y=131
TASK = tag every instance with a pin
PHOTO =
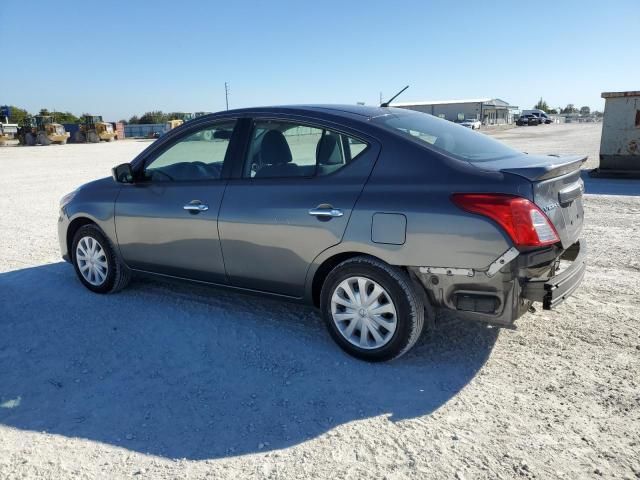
x=117, y=275
x=42, y=139
x=398, y=294
x=29, y=139
x=92, y=137
x=63, y=142
x=79, y=137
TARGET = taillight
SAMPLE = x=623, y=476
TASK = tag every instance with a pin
x=523, y=221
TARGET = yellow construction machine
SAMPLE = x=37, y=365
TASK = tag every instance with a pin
x=171, y=124
x=93, y=129
x=42, y=130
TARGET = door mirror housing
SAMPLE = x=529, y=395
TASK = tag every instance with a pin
x=123, y=173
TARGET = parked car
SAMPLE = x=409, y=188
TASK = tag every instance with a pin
x=528, y=119
x=377, y=216
x=471, y=123
x=541, y=115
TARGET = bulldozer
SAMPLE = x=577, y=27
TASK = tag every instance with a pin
x=43, y=130
x=93, y=129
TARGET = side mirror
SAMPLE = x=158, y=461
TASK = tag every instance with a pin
x=122, y=173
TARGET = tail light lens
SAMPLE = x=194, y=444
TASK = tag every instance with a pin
x=523, y=221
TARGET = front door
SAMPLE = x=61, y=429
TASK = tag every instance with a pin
x=299, y=185
x=167, y=221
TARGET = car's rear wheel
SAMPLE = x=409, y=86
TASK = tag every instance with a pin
x=372, y=309
x=96, y=263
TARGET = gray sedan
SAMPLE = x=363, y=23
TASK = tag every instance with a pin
x=378, y=216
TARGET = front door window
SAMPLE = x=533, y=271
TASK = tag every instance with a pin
x=199, y=156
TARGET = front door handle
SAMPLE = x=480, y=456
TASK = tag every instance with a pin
x=196, y=206
x=326, y=212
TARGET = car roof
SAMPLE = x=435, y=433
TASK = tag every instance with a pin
x=352, y=111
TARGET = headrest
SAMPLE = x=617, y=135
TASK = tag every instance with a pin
x=328, y=150
x=275, y=149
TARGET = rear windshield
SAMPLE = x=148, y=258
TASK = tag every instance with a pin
x=455, y=140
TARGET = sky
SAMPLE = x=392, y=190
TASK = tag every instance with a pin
x=124, y=57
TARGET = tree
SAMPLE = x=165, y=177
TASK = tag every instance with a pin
x=598, y=113
x=122, y=120
x=542, y=105
x=156, y=116
x=65, y=117
x=175, y=116
x=570, y=108
x=585, y=110
x=552, y=111
x=16, y=114
x=134, y=120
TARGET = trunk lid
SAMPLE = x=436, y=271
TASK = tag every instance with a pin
x=557, y=188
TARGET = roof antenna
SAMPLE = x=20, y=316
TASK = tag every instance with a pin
x=386, y=104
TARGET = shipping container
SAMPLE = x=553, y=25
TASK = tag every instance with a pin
x=620, y=143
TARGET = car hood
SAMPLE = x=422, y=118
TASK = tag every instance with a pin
x=106, y=182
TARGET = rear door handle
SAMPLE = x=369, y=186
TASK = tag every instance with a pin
x=326, y=212
x=196, y=206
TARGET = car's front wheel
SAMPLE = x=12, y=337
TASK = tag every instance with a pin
x=96, y=263
x=372, y=309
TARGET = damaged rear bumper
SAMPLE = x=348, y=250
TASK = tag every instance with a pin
x=505, y=290
x=553, y=291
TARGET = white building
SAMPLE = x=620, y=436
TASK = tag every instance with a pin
x=490, y=111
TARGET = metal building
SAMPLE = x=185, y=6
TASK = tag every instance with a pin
x=490, y=111
x=620, y=143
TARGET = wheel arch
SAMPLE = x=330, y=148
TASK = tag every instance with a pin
x=328, y=264
x=74, y=226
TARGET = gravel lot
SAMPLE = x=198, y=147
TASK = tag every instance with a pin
x=179, y=381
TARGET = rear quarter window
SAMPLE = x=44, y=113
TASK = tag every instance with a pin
x=452, y=139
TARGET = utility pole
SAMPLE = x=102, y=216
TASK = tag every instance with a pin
x=226, y=93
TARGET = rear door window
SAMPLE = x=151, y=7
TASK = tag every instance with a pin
x=284, y=149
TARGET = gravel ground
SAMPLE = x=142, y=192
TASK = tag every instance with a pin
x=172, y=380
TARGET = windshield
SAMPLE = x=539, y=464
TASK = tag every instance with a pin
x=455, y=140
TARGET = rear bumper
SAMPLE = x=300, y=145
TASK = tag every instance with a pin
x=503, y=297
x=555, y=290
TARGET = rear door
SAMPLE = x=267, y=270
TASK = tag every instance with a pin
x=293, y=199
x=167, y=221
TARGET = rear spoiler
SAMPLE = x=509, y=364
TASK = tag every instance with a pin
x=552, y=166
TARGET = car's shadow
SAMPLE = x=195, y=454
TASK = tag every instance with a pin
x=610, y=186
x=179, y=370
